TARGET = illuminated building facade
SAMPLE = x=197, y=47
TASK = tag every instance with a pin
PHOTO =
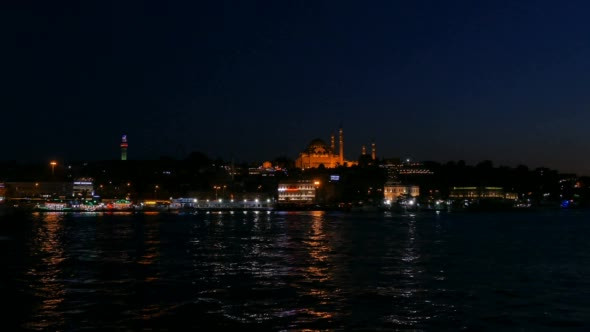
x=83, y=188
x=393, y=191
x=266, y=169
x=124, y=146
x=481, y=193
x=398, y=170
x=297, y=192
x=319, y=153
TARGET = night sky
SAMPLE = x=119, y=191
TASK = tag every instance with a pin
x=435, y=80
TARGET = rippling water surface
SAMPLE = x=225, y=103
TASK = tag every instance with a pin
x=297, y=270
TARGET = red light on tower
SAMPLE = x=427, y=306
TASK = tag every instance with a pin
x=124, y=146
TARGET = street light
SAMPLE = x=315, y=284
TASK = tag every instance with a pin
x=53, y=164
x=316, y=184
x=155, y=191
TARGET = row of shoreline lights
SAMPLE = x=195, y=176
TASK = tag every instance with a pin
x=231, y=201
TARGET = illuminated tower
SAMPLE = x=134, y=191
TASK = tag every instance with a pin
x=373, y=150
x=333, y=143
x=124, y=146
x=341, y=146
x=364, y=150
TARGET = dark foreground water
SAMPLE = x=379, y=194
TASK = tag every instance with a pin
x=300, y=270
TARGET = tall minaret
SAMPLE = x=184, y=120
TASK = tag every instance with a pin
x=373, y=150
x=364, y=150
x=341, y=146
x=124, y=146
x=333, y=143
x=332, y=150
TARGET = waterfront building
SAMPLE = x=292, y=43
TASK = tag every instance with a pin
x=393, y=191
x=83, y=188
x=481, y=193
x=298, y=192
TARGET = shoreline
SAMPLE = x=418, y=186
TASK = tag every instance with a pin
x=12, y=211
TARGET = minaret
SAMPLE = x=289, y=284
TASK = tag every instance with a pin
x=364, y=150
x=332, y=150
x=124, y=146
x=341, y=146
x=373, y=150
x=333, y=143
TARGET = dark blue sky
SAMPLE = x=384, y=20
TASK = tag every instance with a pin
x=435, y=80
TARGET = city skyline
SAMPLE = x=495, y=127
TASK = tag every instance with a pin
x=498, y=81
x=295, y=165
x=372, y=154
x=122, y=147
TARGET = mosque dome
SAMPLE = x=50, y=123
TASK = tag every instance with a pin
x=318, y=146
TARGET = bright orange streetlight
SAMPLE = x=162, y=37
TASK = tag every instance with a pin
x=53, y=164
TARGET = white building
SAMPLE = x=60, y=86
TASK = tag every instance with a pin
x=83, y=188
x=392, y=191
x=297, y=192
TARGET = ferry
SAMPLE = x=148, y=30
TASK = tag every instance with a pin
x=54, y=206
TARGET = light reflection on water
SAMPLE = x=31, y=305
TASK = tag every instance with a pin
x=48, y=249
x=293, y=270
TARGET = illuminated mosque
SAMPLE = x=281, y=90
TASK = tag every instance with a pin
x=319, y=153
